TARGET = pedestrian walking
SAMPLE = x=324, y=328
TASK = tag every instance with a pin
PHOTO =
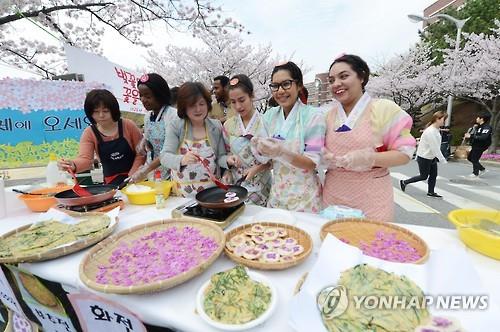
x=428, y=155
x=480, y=138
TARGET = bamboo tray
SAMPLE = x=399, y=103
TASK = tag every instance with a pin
x=301, y=236
x=101, y=253
x=61, y=250
x=364, y=230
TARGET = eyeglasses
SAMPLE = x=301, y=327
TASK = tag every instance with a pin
x=287, y=84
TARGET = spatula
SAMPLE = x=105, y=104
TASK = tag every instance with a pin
x=80, y=191
x=217, y=182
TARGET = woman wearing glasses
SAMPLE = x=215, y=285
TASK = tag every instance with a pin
x=297, y=136
x=364, y=138
x=238, y=131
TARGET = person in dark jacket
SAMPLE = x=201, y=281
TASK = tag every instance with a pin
x=480, y=139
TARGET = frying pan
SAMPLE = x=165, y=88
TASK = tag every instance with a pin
x=100, y=193
x=213, y=197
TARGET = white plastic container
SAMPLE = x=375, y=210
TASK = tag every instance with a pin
x=159, y=196
x=52, y=174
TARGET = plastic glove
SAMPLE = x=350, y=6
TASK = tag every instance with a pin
x=357, y=160
x=328, y=160
x=227, y=178
x=139, y=175
x=273, y=148
x=234, y=160
x=141, y=148
x=253, y=147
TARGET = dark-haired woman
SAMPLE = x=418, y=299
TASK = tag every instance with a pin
x=429, y=154
x=364, y=138
x=190, y=136
x=238, y=130
x=296, y=136
x=112, y=138
x=155, y=97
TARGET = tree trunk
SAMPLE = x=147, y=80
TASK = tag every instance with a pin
x=495, y=123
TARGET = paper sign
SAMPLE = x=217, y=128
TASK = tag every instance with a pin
x=95, y=68
x=99, y=314
x=43, y=303
x=7, y=295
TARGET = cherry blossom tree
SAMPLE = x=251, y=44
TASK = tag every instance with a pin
x=221, y=54
x=82, y=23
x=410, y=80
x=477, y=73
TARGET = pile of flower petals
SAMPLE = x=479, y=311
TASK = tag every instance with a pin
x=389, y=248
x=158, y=256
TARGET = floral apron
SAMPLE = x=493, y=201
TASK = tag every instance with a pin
x=154, y=132
x=193, y=178
x=293, y=188
x=259, y=186
x=371, y=191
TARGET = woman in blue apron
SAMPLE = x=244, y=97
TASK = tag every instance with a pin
x=155, y=97
x=112, y=138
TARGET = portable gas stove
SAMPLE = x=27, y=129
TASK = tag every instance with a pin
x=222, y=217
x=105, y=206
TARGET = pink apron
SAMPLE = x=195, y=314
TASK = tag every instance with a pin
x=369, y=191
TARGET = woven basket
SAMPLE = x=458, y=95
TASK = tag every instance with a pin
x=301, y=236
x=357, y=230
x=100, y=254
x=61, y=250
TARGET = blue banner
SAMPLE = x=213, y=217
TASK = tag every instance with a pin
x=41, y=126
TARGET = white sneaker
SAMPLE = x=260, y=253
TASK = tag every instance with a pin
x=471, y=176
x=483, y=172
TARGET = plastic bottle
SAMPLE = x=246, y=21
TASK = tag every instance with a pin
x=159, y=197
x=52, y=173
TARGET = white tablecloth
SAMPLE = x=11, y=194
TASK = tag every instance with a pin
x=175, y=307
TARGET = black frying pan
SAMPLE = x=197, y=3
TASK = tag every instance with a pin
x=100, y=193
x=213, y=197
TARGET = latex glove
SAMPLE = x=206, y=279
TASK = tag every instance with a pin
x=140, y=175
x=227, y=178
x=234, y=160
x=66, y=164
x=273, y=148
x=141, y=148
x=189, y=158
x=357, y=160
x=251, y=172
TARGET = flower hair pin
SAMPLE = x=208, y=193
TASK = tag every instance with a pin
x=144, y=78
x=339, y=56
x=281, y=63
x=234, y=81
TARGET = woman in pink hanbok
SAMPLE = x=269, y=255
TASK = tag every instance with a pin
x=364, y=137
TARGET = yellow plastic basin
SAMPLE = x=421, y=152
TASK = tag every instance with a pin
x=146, y=198
x=481, y=241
